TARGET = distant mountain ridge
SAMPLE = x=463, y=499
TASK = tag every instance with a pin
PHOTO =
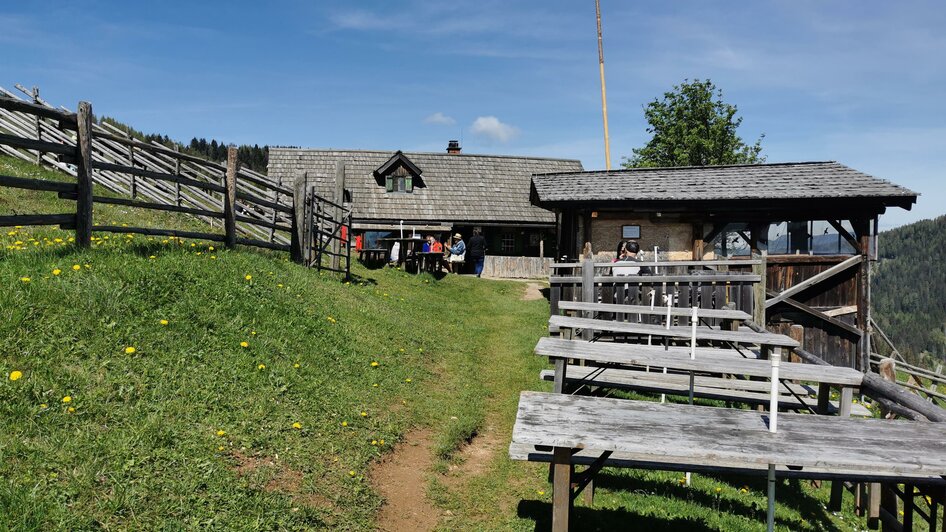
x=909, y=289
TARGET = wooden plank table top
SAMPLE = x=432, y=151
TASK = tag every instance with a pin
x=634, y=355
x=670, y=433
x=681, y=332
x=656, y=311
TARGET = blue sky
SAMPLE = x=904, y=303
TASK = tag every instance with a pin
x=860, y=82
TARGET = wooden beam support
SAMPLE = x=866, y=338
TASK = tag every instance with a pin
x=818, y=314
x=836, y=224
x=813, y=280
x=84, y=176
x=561, y=488
x=698, y=241
x=862, y=228
x=229, y=199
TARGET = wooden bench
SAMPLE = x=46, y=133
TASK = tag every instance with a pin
x=372, y=255
x=613, y=308
x=672, y=436
x=792, y=396
x=744, y=337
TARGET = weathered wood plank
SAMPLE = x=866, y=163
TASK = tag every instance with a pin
x=41, y=145
x=682, y=332
x=813, y=280
x=657, y=311
x=633, y=355
x=651, y=279
x=66, y=119
x=37, y=219
x=36, y=184
x=158, y=232
x=664, y=433
x=816, y=313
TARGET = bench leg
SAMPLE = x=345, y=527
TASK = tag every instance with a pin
x=837, y=486
x=561, y=488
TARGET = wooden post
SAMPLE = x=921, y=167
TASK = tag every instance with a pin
x=229, y=200
x=888, y=506
x=844, y=410
x=36, y=124
x=337, y=212
x=177, y=172
x=758, y=291
x=862, y=230
x=131, y=163
x=588, y=291
x=84, y=175
x=873, y=505
x=797, y=333
x=697, y=241
x=272, y=219
x=561, y=488
x=298, y=218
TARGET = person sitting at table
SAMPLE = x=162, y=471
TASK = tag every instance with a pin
x=457, y=252
x=426, y=247
x=435, y=247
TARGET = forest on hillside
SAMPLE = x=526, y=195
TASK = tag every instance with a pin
x=253, y=157
x=909, y=289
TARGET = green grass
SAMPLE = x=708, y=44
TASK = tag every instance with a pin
x=142, y=448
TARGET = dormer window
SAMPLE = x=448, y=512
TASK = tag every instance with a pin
x=399, y=174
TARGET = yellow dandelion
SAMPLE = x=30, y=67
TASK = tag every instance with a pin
x=380, y=442
x=152, y=257
x=374, y=442
x=221, y=432
x=364, y=414
x=375, y=364
x=16, y=375
x=221, y=448
x=261, y=367
x=67, y=399
x=87, y=265
x=344, y=423
x=25, y=279
x=163, y=322
x=71, y=409
x=540, y=492
x=297, y=425
x=248, y=277
x=213, y=257
x=210, y=248
x=401, y=350
x=44, y=406
x=351, y=473
x=407, y=379
x=279, y=285
x=296, y=365
x=253, y=333
x=244, y=344
x=130, y=350
x=719, y=490
x=76, y=267
x=375, y=385
x=57, y=271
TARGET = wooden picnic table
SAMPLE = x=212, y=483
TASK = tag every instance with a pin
x=664, y=436
x=409, y=246
x=372, y=255
x=742, y=336
x=429, y=261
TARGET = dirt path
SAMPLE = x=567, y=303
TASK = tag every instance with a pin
x=533, y=292
x=402, y=480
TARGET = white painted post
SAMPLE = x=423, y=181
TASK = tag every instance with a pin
x=663, y=396
x=693, y=321
x=773, y=397
x=653, y=295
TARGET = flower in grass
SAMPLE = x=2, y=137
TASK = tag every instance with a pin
x=253, y=333
x=57, y=271
x=374, y=442
x=163, y=322
x=221, y=432
x=407, y=379
x=130, y=350
x=244, y=344
x=344, y=423
x=540, y=492
x=744, y=489
x=375, y=364
x=25, y=279
x=248, y=277
x=364, y=414
x=152, y=257
x=221, y=448
x=297, y=425
x=719, y=490
x=76, y=267
x=67, y=399
x=380, y=442
x=16, y=375
x=71, y=410
x=351, y=473
x=43, y=406
x=375, y=385
x=261, y=367
x=296, y=365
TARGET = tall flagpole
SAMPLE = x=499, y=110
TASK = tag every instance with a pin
x=604, y=98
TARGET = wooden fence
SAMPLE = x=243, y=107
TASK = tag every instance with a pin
x=325, y=232
x=150, y=175
x=703, y=284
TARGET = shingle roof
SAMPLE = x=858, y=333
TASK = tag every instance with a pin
x=783, y=181
x=458, y=187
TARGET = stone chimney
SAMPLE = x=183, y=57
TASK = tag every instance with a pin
x=453, y=146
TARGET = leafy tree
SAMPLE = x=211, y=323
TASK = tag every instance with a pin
x=691, y=128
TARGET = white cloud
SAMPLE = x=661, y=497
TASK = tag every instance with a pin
x=440, y=119
x=491, y=128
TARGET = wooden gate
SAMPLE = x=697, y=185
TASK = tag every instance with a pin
x=326, y=243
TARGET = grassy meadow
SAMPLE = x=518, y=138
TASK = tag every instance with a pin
x=151, y=383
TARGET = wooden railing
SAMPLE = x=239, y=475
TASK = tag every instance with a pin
x=247, y=208
x=148, y=175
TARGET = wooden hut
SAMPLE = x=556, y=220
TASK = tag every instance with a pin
x=816, y=223
x=440, y=193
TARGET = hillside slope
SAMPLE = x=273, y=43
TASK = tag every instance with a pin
x=908, y=288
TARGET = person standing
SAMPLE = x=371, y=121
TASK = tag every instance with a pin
x=476, y=251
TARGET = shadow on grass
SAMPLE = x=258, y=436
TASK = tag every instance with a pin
x=788, y=494
x=605, y=519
